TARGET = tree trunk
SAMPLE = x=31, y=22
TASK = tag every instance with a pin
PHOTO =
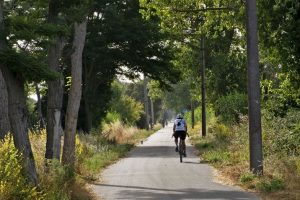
x=4, y=120
x=55, y=91
x=255, y=137
x=17, y=111
x=39, y=107
x=152, y=113
x=146, y=102
x=192, y=114
x=88, y=115
x=54, y=104
x=68, y=157
x=18, y=121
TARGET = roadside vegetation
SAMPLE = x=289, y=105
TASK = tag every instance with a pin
x=226, y=147
x=94, y=152
x=76, y=58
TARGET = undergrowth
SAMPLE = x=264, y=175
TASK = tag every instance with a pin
x=94, y=151
x=226, y=147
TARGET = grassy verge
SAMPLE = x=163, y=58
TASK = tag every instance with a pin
x=227, y=149
x=94, y=152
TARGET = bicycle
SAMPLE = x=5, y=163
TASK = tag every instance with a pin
x=181, y=149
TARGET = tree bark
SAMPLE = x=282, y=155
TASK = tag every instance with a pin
x=68, y=157
x=4, y=120
x=192, y=114
x=146, y=102
x=18, y=120
x=152, y=113
x=39, y=107
x=54, y=104
x=88, y=115
x=255, y=137
x=55, y=91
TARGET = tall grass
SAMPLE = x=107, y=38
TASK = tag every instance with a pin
x=97, y=150
x=94, y=151
x=227, y=148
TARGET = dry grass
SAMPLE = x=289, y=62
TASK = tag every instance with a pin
x=93, y=151
x=281, y=178
x=118, y=132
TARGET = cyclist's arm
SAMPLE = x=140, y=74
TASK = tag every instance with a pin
x=186, y=130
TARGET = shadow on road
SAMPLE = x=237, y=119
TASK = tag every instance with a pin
x=159, y=151
x=137, y=192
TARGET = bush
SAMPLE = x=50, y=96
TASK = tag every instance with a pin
x=282, y=134
x=230, y=107
x=128, y=109
x=56, y=182
x=13, y=182
x=247, y=177
x=118, y=133
x=274, y=184
x=112, y=117
x=221, y=131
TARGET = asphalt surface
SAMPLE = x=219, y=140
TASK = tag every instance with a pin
x=152, y=171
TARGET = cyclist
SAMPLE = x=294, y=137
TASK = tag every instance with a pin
x=180, y=130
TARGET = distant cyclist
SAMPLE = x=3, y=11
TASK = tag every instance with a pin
x=180, y=130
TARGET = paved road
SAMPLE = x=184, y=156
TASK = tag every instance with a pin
x=152, y=171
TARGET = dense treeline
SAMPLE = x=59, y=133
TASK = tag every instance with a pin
x=69, y=53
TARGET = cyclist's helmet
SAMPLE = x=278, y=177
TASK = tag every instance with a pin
x=179, y=116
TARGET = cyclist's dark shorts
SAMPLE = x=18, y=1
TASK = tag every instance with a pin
x=181, y=134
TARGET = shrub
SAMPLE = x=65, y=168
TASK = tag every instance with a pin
x=112, y=117
x=230, y=107
x=118, y=133
x=247, y=177
x=274, y=184
x=13, y=182
x=56, y=182
x=221, y=131
x=282, y=134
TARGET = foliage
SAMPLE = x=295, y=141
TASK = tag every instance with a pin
x=14, y=184
x=274, y=184
x=278, y=98
x=27, y=65
x=125, y=106
x=57, y=181
x=179, y=98
x=282, y=134
x=197, y=115
x=226, y=147
x=95, y=152
x=230, y=107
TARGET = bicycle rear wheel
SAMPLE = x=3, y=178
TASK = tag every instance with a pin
x=180, y=150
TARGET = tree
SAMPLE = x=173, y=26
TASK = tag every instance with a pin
x=55, y=87
x=68, y=157
x=120, y=42
x=22, y=60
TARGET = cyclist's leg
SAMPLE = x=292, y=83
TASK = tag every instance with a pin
x=176, y=140
x=183, y=136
